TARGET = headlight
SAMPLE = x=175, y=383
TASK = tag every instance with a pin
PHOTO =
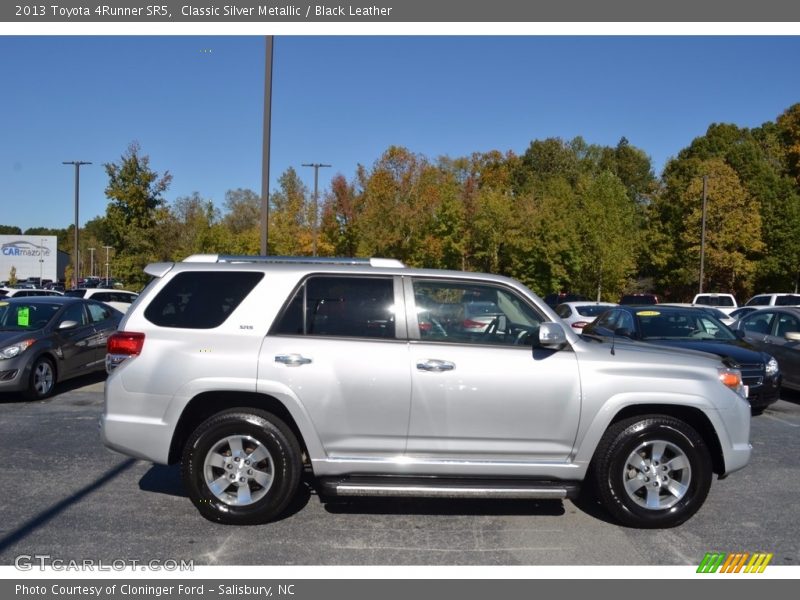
x=16, y=349
x=732, y=378
x=772, y=367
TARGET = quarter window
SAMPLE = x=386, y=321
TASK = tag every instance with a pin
x=360, y=307
x=200, y=299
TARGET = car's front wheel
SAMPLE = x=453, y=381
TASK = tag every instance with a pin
x=242, y=467
x=42, y=380
x=652, y=471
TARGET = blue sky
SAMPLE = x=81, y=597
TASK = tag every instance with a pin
x=195, y=103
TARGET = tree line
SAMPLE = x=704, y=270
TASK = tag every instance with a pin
x=563, y=215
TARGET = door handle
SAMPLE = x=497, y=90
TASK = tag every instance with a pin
x=435, y=365
x=292, y=360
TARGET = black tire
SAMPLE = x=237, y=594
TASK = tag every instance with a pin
x=42, y=380
x=655, y=493
x=271, y=482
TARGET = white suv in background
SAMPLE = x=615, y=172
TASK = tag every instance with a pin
x=375, y=378
x=119, y=299
x=724, y=302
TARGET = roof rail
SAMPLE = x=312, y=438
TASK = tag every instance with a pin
x=320, y=260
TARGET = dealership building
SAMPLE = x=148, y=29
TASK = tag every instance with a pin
x=33, y=256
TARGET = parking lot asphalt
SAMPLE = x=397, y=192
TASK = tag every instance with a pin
x=65, y=495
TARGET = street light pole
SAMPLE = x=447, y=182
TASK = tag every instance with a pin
x=91, y=262
x=107, y=274
x=41, y=260
x=266, y=145
x=314, y=222
x=76, y=265
x=703, y=233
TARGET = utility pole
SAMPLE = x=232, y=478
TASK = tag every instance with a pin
x=41, y=261
x=265, y=145
x=91, y=262
x=75, y=264
x=703, y=233
x=314, y=221
x=107, y=273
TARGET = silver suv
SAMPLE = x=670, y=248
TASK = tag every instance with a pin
x=376, y=379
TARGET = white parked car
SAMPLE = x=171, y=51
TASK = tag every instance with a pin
x=579, y=314
x=724, y=302
x=119, y=299
x=26, y=292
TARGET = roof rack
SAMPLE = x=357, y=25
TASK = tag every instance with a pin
x=320, y=260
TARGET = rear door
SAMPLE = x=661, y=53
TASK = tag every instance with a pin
x=77, y=343
x=339, y=346
x=786, y=352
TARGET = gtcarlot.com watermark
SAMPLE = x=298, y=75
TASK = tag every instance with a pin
x=42, y=562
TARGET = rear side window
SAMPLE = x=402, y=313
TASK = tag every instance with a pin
x=340, y=307
x=75, y=293
x=758, y=301
x=790, y=300
x=200, y=299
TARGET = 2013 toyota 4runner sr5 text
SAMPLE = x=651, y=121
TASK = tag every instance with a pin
x=386, y=380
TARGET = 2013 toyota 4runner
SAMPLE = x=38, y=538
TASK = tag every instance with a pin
x=386, y=380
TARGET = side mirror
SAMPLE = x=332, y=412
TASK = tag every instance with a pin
x=67, y=325
x=552, y=336
x=792, y=336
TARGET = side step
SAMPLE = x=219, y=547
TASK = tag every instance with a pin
x=447, y=487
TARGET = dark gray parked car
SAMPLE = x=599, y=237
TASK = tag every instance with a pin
x=777, y=331
x=44, y=340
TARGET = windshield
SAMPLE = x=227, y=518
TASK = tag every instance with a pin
x=25, y=317
x=681, y=325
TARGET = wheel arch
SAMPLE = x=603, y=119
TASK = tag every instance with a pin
x=207, y=404
x=692, y=416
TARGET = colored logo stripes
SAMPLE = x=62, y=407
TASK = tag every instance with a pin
x=743, y=562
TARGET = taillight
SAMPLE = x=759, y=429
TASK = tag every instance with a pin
x=470, y=324
x=127, y=343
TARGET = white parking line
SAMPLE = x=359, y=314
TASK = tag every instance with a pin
x=774, y=418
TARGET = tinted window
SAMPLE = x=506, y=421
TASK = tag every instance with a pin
x=563, y=310
x=99, y=312
x=75, y=312
x=758, y=322
x=200, y=299
x=787, y=300
x=786, y=323
x=758, y=301
x=714, y=300
x=341, y=307
x=591, y=311
x=461, y=312
x=75, y=293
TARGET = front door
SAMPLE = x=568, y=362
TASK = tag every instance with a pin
x=480, y=392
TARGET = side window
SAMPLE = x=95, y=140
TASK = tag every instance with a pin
x=464, y=312
x=339, y=306
x=758, y=322
x=563, y=311
x=200, y=299
x=758, y=301
x=625, y=320
x=98, y=312
x=789, y=300
x=103, y=297
x=786, y=323
x=75, y=313
x=607, y=320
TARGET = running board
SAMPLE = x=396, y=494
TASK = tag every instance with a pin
x=447, y=487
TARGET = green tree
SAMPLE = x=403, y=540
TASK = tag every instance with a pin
x=136, y=205
x=289, y=223
x=10, y=230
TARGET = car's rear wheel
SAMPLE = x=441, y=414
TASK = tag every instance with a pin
x=42, y=380
x=652, y=471
x=241, y=467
